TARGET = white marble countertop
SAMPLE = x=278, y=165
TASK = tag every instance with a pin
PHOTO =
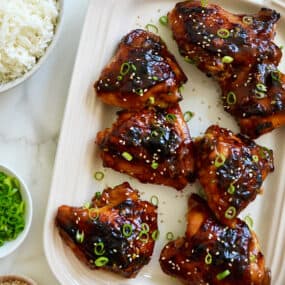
x=30, y=117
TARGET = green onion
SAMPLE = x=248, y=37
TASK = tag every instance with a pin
x=252, y=258
x=93, y=213
x=133, y=67
x=227, y=59
x=171, y=117
x=99, y=248
x=12, y=208
x=259, y=94
x=152, y=28
x=255, y=158
x=276, y=75
x=231, y=98
x=181, y=88
x=139, y=91
x=230, y=213
x=99, y=175
x=125, y=68
x=101, y=261
x=163, y=20
x=154, y=165
x=151, y=100
x=204, y=3
x=208, y=258
x=220, y=160
x=86, y=205
x=223, y=33
x=98, y=195
x=144, y=237
x=120, y=77
x=170, y=236
x=127, y=156
x=249, y=221
x=154, y=200
x=127, y=230
x=188, y=116
x=155, y=235
x=155, y=78
x=189, y=60
x=79, y=236
x=223, y=275
x=144, y=228
x=232, y=189
x=261, y=87
x=248, y=20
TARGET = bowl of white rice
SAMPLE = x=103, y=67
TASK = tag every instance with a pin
x=28, y=32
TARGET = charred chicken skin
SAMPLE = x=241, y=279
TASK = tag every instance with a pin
x=211, y=253
x=152, y=145
x=141, y=73
x=231, y=169
x=116, y=233
x=238, y=51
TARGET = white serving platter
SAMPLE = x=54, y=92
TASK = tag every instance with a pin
x=78, y=158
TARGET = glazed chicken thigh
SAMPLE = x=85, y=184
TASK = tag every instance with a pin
x=152, y=145
x=213, y=254
x=238, y=51
x=141, y=73
x=116, y=232
x=231, y=169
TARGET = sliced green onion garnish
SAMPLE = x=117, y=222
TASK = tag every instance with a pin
x=223, y=33
x=208, y=258
x=79, y=236
x=227, y=59
x=101, y=261
x=163, y=20
x=127, y=156
x=127, y=230
x=139, y=91
x=232, y=189
x=171, y=117
x=154, y=165
x=154, y=200
x=204, y=3
x=144, y=228
x=230, y=213
x=133, y=67
x=255, y=158
x=249, y=221
x=252, y=258
x=151, y=100
x=248, y=20
x=155, y=78
x=144, y=237
x=98, y=195
x=220, y=160
x=188, y=116
x=189, y=60
x=231, y=98
x=261, y=87
x=155, y=235
x=152, y=28
x=259, y=94
x=86, y=205
x=93, y=213
x=12, y=208
x=223, y=275
x=276, y=75
x=99, y=175
x=99, y=248
x=120, y=77
x=125, y=68
x=170, y=236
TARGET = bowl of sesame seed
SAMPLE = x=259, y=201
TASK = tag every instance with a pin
x=16, y=280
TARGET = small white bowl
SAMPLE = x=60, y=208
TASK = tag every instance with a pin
x=19, y=80
x=10, y=246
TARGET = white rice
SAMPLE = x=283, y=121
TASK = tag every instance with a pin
x=26, y=29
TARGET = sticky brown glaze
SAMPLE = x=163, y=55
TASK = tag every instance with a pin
x=158, y=146
x=255, y=59
x=103, y=222
x=236, y=250
x=231, y=169
x=141, y=73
